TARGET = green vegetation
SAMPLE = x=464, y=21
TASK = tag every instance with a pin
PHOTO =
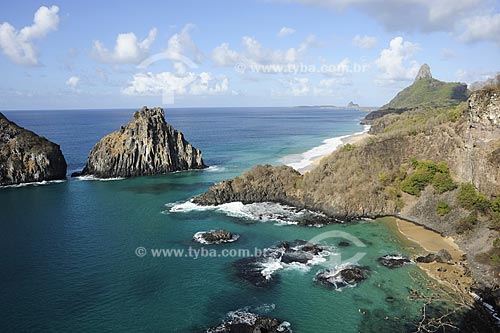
x=470, y=199
x=442, y=208
x=348, y=147
x=418, y=121
x=466, y=224
x=495, y=258
x=429, y=92
x=496, y=243
x=426, y=173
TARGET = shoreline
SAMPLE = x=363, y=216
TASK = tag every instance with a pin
x=452, y=274
x=312, y=157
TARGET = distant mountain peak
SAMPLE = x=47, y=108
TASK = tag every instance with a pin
x=424, y=73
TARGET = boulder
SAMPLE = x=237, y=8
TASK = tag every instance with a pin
x=27, y=157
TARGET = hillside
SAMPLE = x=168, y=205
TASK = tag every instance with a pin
x=425, y=92
x=439, y=167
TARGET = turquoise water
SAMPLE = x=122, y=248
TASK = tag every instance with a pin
x=68, y=249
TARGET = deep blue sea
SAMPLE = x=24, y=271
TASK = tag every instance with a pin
x=68, y=258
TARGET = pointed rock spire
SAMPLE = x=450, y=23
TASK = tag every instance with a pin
x=424, y=73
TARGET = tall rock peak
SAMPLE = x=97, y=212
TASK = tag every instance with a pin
x=424, y=73
x=26, y=157
x=147, y=145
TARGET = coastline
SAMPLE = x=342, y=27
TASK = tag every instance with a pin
x=311, y=158
x=452, y=274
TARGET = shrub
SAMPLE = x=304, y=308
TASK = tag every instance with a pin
x=428, y=172
x=442, y=182
x=442, y=208
x=470, y=199
x=496, y=259
x=348, y=147
x=466, y=224
x=496, y=243
x=495, y=205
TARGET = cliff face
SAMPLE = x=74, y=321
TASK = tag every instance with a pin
x=365, y=180
x=26, y=157
x=147, y=145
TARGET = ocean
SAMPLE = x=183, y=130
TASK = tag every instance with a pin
x=70, y=259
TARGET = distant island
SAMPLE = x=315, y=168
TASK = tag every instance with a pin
x=350, y=106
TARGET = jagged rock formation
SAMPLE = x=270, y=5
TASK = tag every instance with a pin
x=424, y=73
x=26, y=157
x=484, y=108
x=147, y=145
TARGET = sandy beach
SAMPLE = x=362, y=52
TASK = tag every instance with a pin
x=351, y=139
x=453, y=274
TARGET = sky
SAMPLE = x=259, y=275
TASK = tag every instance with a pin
x=126, y=54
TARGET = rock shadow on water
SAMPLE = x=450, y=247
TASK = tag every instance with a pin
x=161, y=188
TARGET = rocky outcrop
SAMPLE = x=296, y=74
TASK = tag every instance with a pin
x=247, y=322
x=215, y=237
x=147, y=145
x=424, y=73
x=484, y=106
x=340, y=277
x=26, y=157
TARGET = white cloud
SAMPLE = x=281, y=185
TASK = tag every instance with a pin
x=365, y=42
x=470, y=20
x=127, y=50
x=73, y=82
x=285, y=31
x=180, y=83
x=479, y=28
x=19, y=46
x=253, y=53
x=181, y=44
x=395, y=63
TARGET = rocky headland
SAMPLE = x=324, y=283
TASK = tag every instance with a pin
x=147, y=145
x=26, y=157
x=437, y=164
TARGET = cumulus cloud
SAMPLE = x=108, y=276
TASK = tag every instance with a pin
x=253, y=53
x=73, y=82
x=285, y=31
x=180, y=82
x=181, y=45
x=127, y=50
x=395, y=63
x=365, y=42
x=479, y=28
x=18, y=45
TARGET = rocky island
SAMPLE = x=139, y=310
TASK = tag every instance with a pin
x=147, y=145
x=27, y=157
x=437, y=164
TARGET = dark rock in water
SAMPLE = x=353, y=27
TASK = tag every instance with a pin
x=247, y=322
x=341, y=277
x=251, y=270
x=394, y=260
x=147, y=145
x=344, y=244
x=389, y=299
x=260, y=270
x=215, y=237
x=26, y=157
x=431, y=257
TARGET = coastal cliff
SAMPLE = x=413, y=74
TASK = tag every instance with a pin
x=437, y=166
x=147, y=145
x=26, y=157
